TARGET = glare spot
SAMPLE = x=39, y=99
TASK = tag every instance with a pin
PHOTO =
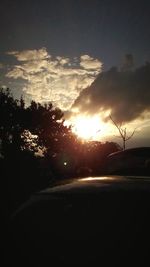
x=86, y=127
x=103, y=178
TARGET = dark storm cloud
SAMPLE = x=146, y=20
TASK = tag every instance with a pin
x=125, y=92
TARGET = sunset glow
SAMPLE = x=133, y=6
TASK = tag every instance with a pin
x=87, y=128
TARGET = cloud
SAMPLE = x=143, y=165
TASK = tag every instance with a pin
x=30, y=55
x=124, y=93
x=63, y=60
x=88, y=63
x=57, y=79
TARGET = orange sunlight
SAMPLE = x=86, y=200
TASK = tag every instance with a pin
x=90, y=128
x=87, y=128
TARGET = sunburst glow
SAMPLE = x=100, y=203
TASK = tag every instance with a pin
x=87, y=128
x=90, y=127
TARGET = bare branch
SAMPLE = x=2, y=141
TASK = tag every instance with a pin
x=122, y=132
x=117, y=126
x=130, y=136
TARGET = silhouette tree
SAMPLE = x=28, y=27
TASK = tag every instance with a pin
x=53, y=138
x=123, y=132
x=23, y=133
x=34, y=127
x=95, y=155
x=10, y=123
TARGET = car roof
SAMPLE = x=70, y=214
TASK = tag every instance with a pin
x=97, y=184
x=137, y=151
x=87, y=187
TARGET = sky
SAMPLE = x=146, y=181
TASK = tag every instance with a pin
x=87, y=57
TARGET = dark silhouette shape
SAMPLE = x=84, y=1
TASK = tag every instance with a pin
x=122, y=132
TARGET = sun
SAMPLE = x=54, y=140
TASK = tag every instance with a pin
x=87, y=128
x=91, y=127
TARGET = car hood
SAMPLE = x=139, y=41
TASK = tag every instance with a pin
x=90, y=184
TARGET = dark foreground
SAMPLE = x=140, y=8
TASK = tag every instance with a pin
x=95, y=221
